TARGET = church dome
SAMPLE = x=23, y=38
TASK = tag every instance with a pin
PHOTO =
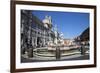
x=47, y=21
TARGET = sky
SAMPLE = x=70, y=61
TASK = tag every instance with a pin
x=71, y=24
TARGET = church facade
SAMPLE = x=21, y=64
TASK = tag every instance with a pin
x=36, y=33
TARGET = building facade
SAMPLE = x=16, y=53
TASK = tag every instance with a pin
x=34, y=32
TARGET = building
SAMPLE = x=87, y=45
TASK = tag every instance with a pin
x=36, y=33
x=84, y=37
x=26, y=32
x=69, y=42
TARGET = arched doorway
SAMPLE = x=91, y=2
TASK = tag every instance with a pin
x=39, y=42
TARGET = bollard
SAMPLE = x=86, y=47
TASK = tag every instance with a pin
x=58, y=53
x=30, y=52
x=82, y=50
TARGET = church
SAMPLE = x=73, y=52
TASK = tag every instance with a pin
x=36, y=33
